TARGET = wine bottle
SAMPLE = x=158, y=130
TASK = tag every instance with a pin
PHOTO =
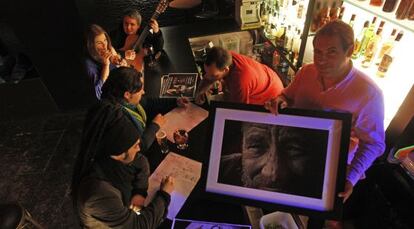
x=389, y=5
x=387, y=45
x=388, y=57
x=369, y=33
x=358, y=41
x=372, y=46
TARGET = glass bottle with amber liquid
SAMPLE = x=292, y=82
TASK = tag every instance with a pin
x=316, y=17
x=389, y=5
x=369, y=33
x=386, y=46
x=358, y=41
x=334, y=11
x=372, y=46
x=376, y=2
x=403, y=9
x=325, y=15
x=388, y=57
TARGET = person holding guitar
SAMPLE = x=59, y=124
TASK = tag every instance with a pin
x=101, y=58
x=131, y=38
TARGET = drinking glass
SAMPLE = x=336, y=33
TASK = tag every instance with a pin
x=162, y=141
x=181, y=139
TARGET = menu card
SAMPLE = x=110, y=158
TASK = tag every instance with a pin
x=186, y=173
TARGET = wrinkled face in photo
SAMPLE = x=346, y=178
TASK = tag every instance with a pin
x=271, y=155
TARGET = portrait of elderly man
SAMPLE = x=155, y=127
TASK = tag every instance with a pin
x=274, y=158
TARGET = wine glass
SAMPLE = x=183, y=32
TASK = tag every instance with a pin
x=181, y=138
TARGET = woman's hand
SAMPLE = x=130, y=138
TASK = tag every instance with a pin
x=154, y=26
x=105, y=57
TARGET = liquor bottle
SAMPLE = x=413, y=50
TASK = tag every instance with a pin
x=389, y=5
x=372, y=46
x=296, y=46
x=300, y=9
x=316, y=17
x=402, y=10
x=341, y=12
x=411, y=12
x=280, y=36
x=376, y=2
x=289, y=39
x=324, y=15
x=358, y=41
x=369, y=33
x=334, y=11
x=388, y=58
x=352, y=21
x=387, y=45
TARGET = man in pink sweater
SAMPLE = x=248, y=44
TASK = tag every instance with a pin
x=333, y=83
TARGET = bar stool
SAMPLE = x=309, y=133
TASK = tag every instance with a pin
x=14, y=216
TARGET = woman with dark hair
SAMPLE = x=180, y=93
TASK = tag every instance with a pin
x=110, y=179
x=101, y=57
x=128, y=33
x=124, y=86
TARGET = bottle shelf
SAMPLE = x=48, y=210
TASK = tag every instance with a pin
x=377, y=11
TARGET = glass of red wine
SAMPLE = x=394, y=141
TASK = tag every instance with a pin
x=181, y=138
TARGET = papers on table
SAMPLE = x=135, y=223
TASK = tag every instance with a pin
x=186, y=173
x=183, y=118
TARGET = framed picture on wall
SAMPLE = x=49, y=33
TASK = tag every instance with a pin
x=294, y=161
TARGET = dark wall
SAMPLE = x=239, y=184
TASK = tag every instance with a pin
x=52, y=36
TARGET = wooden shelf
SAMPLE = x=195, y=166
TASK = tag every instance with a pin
x=377, y=11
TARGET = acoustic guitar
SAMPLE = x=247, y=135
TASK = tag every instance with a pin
x=138, y=62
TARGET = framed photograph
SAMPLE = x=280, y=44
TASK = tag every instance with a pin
x=294, y=161
x=175, y=85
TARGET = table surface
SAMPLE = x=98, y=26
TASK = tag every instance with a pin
x=177, y=57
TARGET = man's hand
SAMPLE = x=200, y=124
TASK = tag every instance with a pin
x=183, y=102
x=273, y=104
x=130, y=54
x=167, y=184
x=159, y=120
x=347, y=191
x=137, y=202
x=154, y=26
x=200, y=98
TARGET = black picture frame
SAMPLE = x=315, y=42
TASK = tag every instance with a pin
x=313, y=191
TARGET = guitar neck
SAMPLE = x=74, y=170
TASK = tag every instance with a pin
x=145, y=32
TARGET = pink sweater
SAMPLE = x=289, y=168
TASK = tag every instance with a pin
x=356, y=94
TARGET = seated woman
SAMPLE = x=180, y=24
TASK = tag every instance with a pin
x=111, y=175
x=128, y=33
x=101, y=58
x=124, y=86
